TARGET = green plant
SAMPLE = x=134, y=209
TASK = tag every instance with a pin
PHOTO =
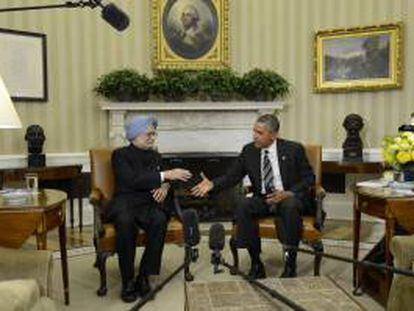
x=219, y=85
x=174, y=85
x=263, y=85
x=123, y=85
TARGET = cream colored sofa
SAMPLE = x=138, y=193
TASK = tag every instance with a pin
x=401, y=296
x=25, y=280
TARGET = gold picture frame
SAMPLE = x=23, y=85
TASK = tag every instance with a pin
x=190, y=34
x=358, y=59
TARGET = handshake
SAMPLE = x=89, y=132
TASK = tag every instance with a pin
x=199, y=190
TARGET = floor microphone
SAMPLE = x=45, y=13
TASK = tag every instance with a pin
x=190, y=227
x=191, y=233
x=216, y=243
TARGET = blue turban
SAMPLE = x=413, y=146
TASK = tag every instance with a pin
x=139, y=125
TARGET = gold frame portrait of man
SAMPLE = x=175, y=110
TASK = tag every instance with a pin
x=358, y=59
x=190, y=34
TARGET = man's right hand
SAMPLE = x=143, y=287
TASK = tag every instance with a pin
x=203, y=187
x=177, y=174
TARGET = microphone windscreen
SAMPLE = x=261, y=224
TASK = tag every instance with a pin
x=190, y=226
x=115, y=17
x=216, y=236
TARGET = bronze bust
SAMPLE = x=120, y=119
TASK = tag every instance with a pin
x=352, y=146
x=35, y=138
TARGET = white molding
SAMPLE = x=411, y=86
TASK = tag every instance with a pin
x=52, y=159
x=335, y=154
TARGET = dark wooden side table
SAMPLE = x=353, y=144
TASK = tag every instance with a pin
x=394, y=208
x=69, y=174
x=334, y=172
x=37, y=215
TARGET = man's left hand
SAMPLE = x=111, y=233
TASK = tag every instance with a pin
x=159, y=194
x=277, y=196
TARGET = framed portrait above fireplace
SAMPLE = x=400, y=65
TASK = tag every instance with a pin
x=190, y=34
x=363, y=58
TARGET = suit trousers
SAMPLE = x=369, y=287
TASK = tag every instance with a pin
x=287, y=215
x=128, y=219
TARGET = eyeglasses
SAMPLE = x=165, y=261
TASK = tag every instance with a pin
x=151, y=134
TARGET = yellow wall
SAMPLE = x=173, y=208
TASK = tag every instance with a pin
x=276, y=34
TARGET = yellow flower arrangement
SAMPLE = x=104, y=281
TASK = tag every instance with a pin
x=398, y=151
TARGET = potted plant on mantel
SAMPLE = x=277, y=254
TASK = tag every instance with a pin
x=263, y=85
x=174, y=85
x=124, y=85
x=217, y=85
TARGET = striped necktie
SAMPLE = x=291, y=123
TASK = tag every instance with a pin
x=268, y=173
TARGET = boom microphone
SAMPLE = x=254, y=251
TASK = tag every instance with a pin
x=190, y=226
x=216, y=242
x=115, y=17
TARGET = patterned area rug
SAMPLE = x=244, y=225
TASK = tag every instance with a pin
x=311, y=293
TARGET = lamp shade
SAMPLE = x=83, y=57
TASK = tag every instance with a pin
x=8, y=115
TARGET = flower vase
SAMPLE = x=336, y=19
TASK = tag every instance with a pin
x=408, y=172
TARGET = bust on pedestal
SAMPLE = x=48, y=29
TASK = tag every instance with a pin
x=35, y=138
x=352, y=146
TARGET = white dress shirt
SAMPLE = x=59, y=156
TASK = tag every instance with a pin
x=277, y=179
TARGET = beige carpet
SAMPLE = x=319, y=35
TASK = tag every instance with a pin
x=84, y=279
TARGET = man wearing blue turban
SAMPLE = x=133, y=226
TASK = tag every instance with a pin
x=141, y=200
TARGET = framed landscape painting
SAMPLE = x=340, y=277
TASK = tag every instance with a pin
x=190, y=34
x=363, y=58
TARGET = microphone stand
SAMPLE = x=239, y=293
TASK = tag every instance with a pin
x=191, y=255
x=68, y=4
x=216, y=260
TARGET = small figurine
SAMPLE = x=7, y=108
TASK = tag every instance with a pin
x=352, y=146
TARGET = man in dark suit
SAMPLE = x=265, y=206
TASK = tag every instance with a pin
x=281, y=178
x=141, y=200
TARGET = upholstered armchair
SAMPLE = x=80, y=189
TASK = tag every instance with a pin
x=312, y=224
x=401, y=295
x=25, y=280
x=102, y=188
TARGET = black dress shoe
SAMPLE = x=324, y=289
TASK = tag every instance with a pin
x=288, y=272
x=142, y=285
x=129, y=293
x=257, y=271
x=290, y=264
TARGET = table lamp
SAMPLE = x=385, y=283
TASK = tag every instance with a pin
x=8, y=115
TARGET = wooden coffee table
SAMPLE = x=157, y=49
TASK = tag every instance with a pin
x=39, y=214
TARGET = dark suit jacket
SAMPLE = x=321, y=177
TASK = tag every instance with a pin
x=295, y=170
x=136, y=172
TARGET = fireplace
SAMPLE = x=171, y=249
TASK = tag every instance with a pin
x=200, y=136
x=215, y=207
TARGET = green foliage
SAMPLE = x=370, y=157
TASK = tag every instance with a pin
x=123, y=85
x=219, y=85
x=263, y=85
x=174, y=85
x=180, y=85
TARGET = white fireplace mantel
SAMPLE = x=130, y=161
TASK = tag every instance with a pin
x=191, y=126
